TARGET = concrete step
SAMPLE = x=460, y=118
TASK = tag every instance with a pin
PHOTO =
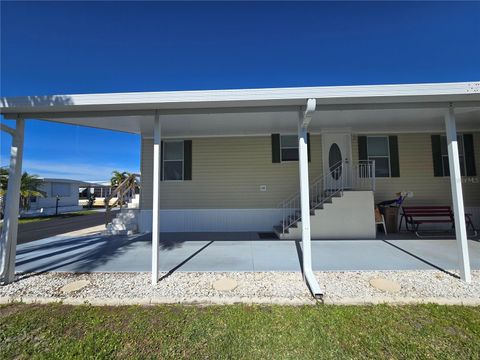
x=277, y=229
x=120, y=232
x=314, y=208
x=121, y=226
x=123, y=221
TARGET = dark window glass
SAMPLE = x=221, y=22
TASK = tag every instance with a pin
x=173, y=170
x=378, y=150
x=289, y=146
x=334, y=161
x=382, y=166
x=289, y=154
x=173, y=160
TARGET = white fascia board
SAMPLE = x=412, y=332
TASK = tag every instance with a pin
x=363, y=94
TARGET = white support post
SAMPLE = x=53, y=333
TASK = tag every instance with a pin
x=8, y=241
x=457, y=196
x=305, y=199
x=157, y=156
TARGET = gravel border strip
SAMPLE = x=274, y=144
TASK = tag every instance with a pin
x=190, y=288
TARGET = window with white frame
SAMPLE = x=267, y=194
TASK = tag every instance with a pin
x=444, y=151
x=378, y=149
x=173, y=159
x=289, y=147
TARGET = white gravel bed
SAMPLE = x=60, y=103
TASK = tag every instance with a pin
x=260, y=287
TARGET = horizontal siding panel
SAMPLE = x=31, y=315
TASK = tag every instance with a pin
x=227, y=174
x=416, y=175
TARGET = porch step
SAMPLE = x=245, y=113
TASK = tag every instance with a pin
x=277, y=229
x=330, y=223
x=125, y=223
x=121, y=232
x=296, y=218
x=134, y=202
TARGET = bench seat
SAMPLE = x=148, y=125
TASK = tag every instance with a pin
x=416, y=215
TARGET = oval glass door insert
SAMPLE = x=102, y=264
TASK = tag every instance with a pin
x=334, y=161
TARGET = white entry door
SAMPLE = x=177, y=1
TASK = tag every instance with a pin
x=336, y=147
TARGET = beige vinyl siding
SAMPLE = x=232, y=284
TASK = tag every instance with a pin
x=416, y=174
x=227, y=173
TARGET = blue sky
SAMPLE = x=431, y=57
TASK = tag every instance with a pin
x=88, y=47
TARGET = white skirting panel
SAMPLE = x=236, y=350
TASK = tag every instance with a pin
x=50, y=211
x=212, y=220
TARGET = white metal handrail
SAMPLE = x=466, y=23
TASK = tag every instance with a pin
x=123, y=193
x=351, y=175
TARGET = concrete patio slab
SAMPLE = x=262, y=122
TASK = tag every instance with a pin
x=234, y=252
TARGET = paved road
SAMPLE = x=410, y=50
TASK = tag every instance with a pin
x=63, y=224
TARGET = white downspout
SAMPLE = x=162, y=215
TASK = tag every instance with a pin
x=308, y=275
x=457, y=196
x=8, y=240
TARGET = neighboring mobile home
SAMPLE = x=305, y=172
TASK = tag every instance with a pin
x=60, y=196
x=303, y=162
x=101, y=190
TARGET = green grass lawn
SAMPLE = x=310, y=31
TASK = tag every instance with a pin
x=240, y=331
x=61, y=216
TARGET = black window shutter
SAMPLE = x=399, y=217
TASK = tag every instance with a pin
x=437, y=156
x=308, y=146
x=275, y=148
x=362, y=148
x=394, y=160
x=187, y=160
x=469, y=155
x=161, y=161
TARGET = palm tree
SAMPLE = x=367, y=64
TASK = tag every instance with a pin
x=3, y=180
x=118, y=177
x=3, y=189
x=29, y=186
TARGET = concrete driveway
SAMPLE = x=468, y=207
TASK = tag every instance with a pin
x=235, y=252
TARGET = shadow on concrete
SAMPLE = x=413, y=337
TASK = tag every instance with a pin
x=104, y=249
x=174, y=240
x=171, y=271
x=299, y=254
x=425, y=261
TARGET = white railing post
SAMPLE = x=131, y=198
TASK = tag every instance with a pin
x=373, y=180
x=457, y=196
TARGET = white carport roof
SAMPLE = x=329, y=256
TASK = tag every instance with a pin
x=71, y=181
x=367, y=108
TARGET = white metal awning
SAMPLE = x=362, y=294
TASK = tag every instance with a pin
x=381, y=108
